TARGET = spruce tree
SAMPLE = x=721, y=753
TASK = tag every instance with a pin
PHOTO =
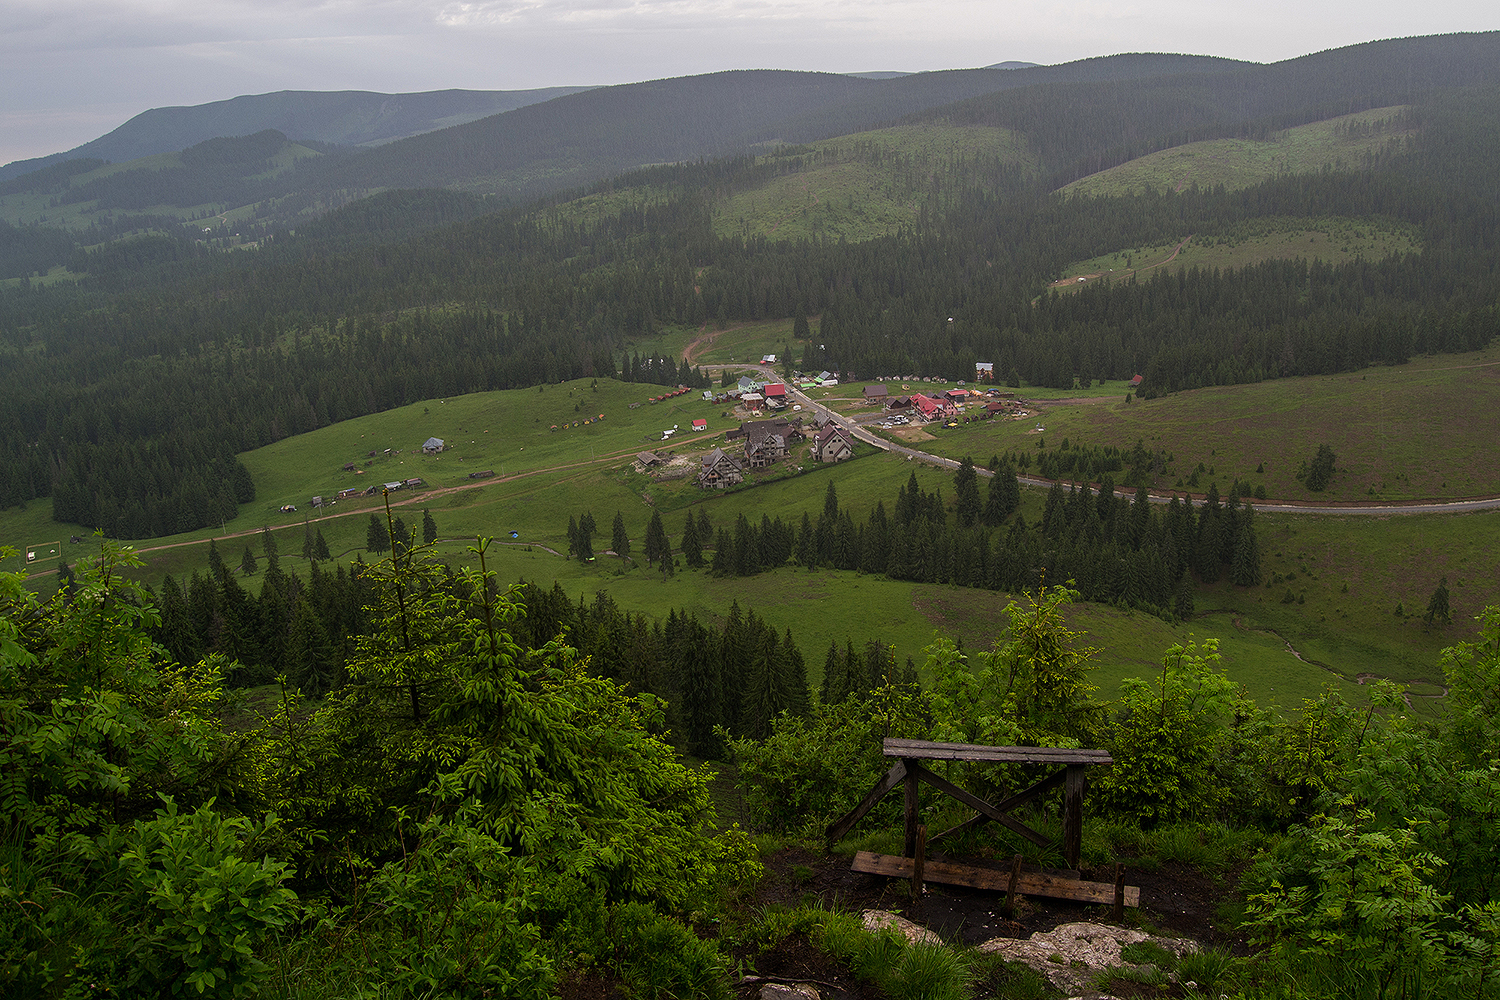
x=966, y=502
x=377, y=538
x=657, y=546
x=1244, y=569
x=429, y=527
x=1438, y=609
x=692, y=544
x=620, y=541
x=320, y=546
x=247, y=562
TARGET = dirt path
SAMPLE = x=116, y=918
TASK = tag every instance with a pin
x=1128, y=271
x=425, y=496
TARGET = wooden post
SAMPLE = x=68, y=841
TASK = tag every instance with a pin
x=1072, y=838
x=1118, y=914
x=1010, y=893
x=913, y=814
x=918, y=861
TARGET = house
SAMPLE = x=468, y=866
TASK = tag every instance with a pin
x=768, y=359
x=412, y=484
x=876, y=394
x=766, y=441
x=647, y=459
x=432, y=446
x=929, y=407
x=984, y=371
x=832, y=444
x=776, y=391
x=353, y=492
x=719, y=471
x=898, y=403
x=708, y=395
x=957, y=395
x=700, y=425
x=1135, y=383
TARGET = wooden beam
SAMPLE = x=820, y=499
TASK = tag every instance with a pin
x=918, y=860
x=1072, y=838
x=1006, y=805
x=977, y=804
x=837, y=830
x=927, y=750
x=1027, y=883
x=913, y=812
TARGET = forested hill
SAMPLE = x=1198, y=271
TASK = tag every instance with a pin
x=131, y=392
x=1087, y=127
x=345, y=118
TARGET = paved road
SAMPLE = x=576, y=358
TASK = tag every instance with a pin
x=1262, y=506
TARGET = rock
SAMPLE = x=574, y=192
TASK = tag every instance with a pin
x=1073, y=955
x=876, y=920
x=782, y=991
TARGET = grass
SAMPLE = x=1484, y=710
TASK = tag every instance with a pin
x=1338, y=143
x=1419, y=431
x=1347, y=574
x=1330, y=240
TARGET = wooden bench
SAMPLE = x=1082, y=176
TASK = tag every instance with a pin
x=909, y=772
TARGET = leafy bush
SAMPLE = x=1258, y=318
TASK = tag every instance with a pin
x=189, y=912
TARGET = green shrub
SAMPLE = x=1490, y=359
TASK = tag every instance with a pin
x=661, y=959
x=190, y=913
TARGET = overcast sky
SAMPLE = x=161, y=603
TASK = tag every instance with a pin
x=72, y=70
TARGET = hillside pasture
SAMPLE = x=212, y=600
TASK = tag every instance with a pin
x=1329, y=240
x=864, y=185
x=1418, y=431
x=1347, y=142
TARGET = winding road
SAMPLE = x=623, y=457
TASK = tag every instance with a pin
x=1261, y=506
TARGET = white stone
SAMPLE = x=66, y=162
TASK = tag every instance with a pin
x=877, y=920
x=1072, y=955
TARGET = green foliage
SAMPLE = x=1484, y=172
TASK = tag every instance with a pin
x=661, y=959
x=1362, y=897
x=189, y=911
x=807, y=772
x=1168, y=738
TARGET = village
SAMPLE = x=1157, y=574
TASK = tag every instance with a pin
x=758, y=443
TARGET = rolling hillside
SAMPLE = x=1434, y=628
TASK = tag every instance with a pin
x=342, y=118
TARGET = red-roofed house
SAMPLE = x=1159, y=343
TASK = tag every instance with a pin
x=929, y=408
x=700, y=425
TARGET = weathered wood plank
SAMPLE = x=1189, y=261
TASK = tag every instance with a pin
x=913, y=812
x=893, y=777
x=927, y=750
x=977, y=804
x=1027, y=883
x=1072, y=837
x=918, y=859
x=1006, y=805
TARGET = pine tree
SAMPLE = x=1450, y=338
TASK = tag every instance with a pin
x=247, y=562
x=377, y=538
x=966, y=502
x=657, y=546
x=429, y=527
x=1244, y=569
x=692, y=544
x=320, y=546
x=620, y=541
x=1438, y=609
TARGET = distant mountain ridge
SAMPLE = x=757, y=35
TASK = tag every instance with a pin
x=344, y=118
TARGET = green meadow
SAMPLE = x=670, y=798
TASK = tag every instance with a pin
x=1328, y=612
x=1329, y=240
x=1346, y=142
x=1419, y=431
